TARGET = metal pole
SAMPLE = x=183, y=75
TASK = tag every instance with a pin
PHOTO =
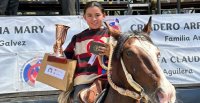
x=178, y=6
x=158, y=7
x=149, y=7
x=77, y=7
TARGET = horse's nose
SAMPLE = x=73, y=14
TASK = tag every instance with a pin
x=164, y=96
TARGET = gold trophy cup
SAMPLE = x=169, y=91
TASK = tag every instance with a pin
x=61, y=33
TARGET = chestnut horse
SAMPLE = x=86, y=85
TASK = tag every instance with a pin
x=136, y=74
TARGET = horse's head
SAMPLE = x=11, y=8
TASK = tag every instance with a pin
x=139, y=56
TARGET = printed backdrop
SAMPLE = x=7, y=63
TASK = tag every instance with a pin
x=24, y=40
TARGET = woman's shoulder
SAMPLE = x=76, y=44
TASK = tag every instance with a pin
x=91, y=32
x=83, y=32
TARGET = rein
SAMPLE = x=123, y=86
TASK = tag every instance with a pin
x=122, y=91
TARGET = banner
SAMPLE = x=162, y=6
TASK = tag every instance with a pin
x=25, y=39
x=23, y=42
x=178, y=38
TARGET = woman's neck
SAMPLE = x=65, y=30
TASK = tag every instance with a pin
x=102, y=27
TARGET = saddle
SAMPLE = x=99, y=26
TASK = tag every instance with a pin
x=90, y=95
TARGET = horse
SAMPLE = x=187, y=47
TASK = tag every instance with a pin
x=135, y=75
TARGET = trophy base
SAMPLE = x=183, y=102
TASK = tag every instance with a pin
x=52, y=58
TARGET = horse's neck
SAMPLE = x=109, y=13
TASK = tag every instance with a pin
x=118, y=77
x=114, y=97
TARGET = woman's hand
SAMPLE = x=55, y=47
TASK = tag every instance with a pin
x=105, y=50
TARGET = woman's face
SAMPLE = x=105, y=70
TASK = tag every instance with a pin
x=94, y=17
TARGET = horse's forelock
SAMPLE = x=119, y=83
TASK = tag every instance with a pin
x=144, y=34
x=147, y=37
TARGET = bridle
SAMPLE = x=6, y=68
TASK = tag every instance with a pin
x=125, y=92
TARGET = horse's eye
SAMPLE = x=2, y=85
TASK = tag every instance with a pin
x=129, y=53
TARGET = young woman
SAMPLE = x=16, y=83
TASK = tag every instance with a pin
x=88, y=68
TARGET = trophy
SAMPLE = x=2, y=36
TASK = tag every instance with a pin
x=61, y=33
x=56, y=70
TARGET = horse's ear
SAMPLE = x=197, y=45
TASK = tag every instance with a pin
x=147, y=28
x=113, y=32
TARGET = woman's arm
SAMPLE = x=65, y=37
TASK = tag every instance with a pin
x=69, y=50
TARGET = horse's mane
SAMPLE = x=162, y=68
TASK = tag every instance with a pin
x=123, y=37
x=117, y=51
